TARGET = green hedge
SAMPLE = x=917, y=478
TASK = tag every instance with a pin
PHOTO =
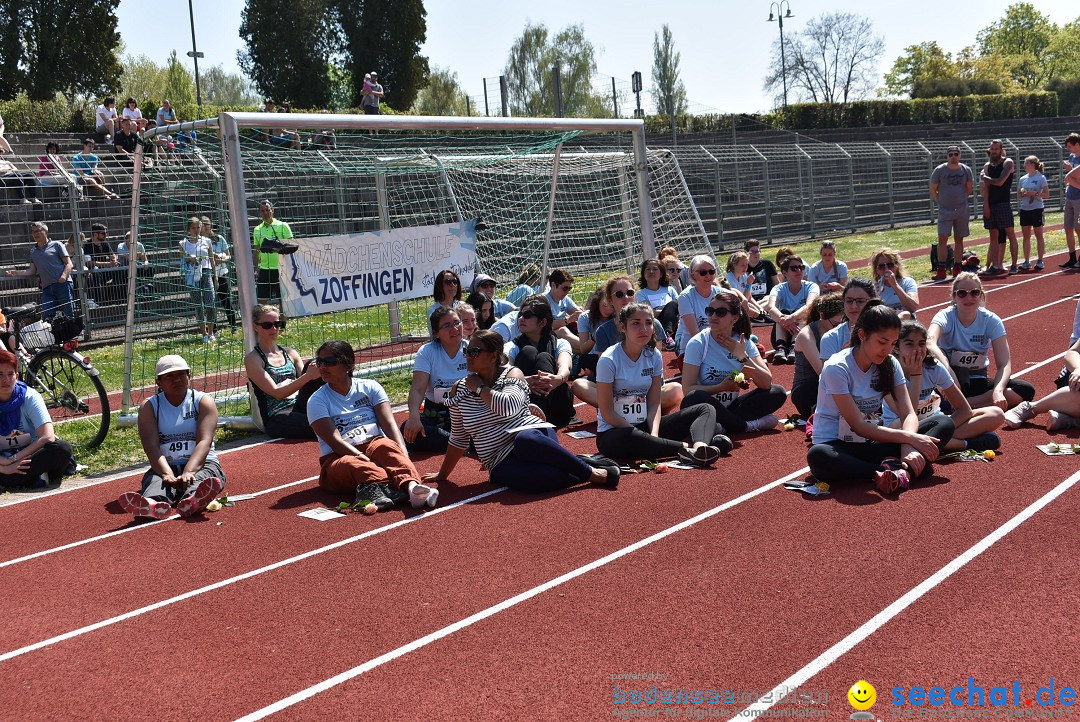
x=62, y=115
x=871, y=113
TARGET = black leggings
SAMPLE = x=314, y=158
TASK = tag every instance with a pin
x=558, y=406
x=52, y=460
x=436, y=435
x=747, y=407
x=292, y=424
x=669, y=317
x=976, y=385
x=840, y=461
x=804, y=396
x=540, y=463
x=635, y=442
x=224, y=299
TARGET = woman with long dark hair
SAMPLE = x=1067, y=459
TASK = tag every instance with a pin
x=544, y=360
x=439, y=363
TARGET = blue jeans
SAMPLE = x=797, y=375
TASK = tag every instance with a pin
x=56, y=298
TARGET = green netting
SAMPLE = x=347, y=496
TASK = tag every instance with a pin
x=349, y=182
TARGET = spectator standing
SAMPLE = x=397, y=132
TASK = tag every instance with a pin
x=951, y=184
x=106, y=118
x=997, y=180
x=373, y=96
x=1072, y=197
x=24, y=182
x=270, y=233
x=1033, y=190
x=197, y=264
x=222, y=271
x=50, y=262
x=85, y=165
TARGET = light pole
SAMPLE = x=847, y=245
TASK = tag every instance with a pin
x=194, y=54
x=779, y=15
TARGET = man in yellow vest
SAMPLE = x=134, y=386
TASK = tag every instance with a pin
x=268, y=241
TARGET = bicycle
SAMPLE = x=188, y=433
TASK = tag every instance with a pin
x=66, y=380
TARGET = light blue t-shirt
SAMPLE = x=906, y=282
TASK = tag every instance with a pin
x=33, y=414
x=820, y=276
x=432, y=307
x=507, y=326
x=519, y=294
x=1035, y=183
x=630, y=382
x=584, y=325
x=559, y=309
x=353, y=415
x=441, y=369
x=968, y=347
x=561, y=346
x=888, y=295
x=715, y=363
x=502, y=307
x=833, y=341
x=691, y=302
x=934, y=378
x=607, y=335
x=657, y=299
x=787, y=300
x=742, y=283
x=842, y=375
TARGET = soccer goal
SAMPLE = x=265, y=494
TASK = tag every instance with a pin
x=380, y=200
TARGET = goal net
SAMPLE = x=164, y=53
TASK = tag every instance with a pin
x=573, y=194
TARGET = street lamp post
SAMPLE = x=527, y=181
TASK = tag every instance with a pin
x=775, y=9
x=194, y=54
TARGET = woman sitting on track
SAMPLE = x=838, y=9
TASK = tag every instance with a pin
x=544, y=360
x=32, y=453
x=176, y=428
x=439, y=363
x=850, y=444
x=563, y=308
x=896, y=290
x=788, y=305
x=597, y=311
x=467, y=315
x=485, y=308
x=489, y=408
x=629, y=424
x=447, y=291
x=695, y=299
x=826, y=313
x=361, y=449
x=965, y=333
x=828, y=273
x=739, y=278
x=281, y=389
x=928, y=380
x=857, y=293
x=715, y=356
x=1063, y=404
x=655, y=290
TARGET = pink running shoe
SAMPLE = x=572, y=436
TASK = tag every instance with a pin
x=204, y=494
x=135, y=503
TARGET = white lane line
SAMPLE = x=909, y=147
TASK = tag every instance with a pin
x=125, y=530
x=846, y=644
x=238, y=578
x=508, y=603
x=1039, y=308
x=1004, y=287
x=1042, y=363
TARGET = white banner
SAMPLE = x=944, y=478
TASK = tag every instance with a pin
x=334, y=273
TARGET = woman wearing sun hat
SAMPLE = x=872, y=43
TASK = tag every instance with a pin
x=176, y=428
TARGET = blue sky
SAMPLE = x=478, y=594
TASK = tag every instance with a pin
x=724, y=43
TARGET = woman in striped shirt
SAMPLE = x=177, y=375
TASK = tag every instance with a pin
x=490, y=408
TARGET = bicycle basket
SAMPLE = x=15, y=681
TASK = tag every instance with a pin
x=36, y=335
x=64, y=329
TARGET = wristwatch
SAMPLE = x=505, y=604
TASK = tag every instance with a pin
x=743, y=360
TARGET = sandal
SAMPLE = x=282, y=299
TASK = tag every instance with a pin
x=892, y=477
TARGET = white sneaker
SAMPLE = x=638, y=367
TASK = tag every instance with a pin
x=91, y=303
x=763, y=424
x=1059, y=421
x=1017, y=415
x=421, y=495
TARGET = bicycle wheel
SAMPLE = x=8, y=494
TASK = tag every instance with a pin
x=76, y=400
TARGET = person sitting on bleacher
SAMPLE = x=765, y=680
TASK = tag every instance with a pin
x=105, y=285
x=30, y=452
x=127, y=140
x=51, y=170
x=85, y=166
x=24, y=182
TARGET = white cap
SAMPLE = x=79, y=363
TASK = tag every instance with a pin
x=171, y=362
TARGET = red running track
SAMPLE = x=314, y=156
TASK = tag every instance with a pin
x=741, y=599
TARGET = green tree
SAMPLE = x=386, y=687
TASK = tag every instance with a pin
x=1022, y=38
x=529, y=67
x=289, y=60
x=385, y=36
x=179, y=83
x=142, y=79
x=341, y=90
x=67, y=46
x=668, y=88
x=11, y=50
x=919, y=64
x=220, y=87
x=442, y=96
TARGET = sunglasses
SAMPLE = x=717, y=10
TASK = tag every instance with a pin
x=267, y=325
x=673, y=271
x=888, y=264
x=450, y=282
x=704, y=272
x=474, y=351
x=755, y=252
x=568, y=289
x=795, y=268
x=721, y=312
x=487, y=284
x=961, y=293
x=323, y=361
x=954, y=153
x=526, y=315
x=624, y=294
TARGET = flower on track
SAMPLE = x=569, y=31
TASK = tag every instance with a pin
x=988, y=454
x=213, y=506
x=370, y=508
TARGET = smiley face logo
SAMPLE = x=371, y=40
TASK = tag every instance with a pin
x=862, y=695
